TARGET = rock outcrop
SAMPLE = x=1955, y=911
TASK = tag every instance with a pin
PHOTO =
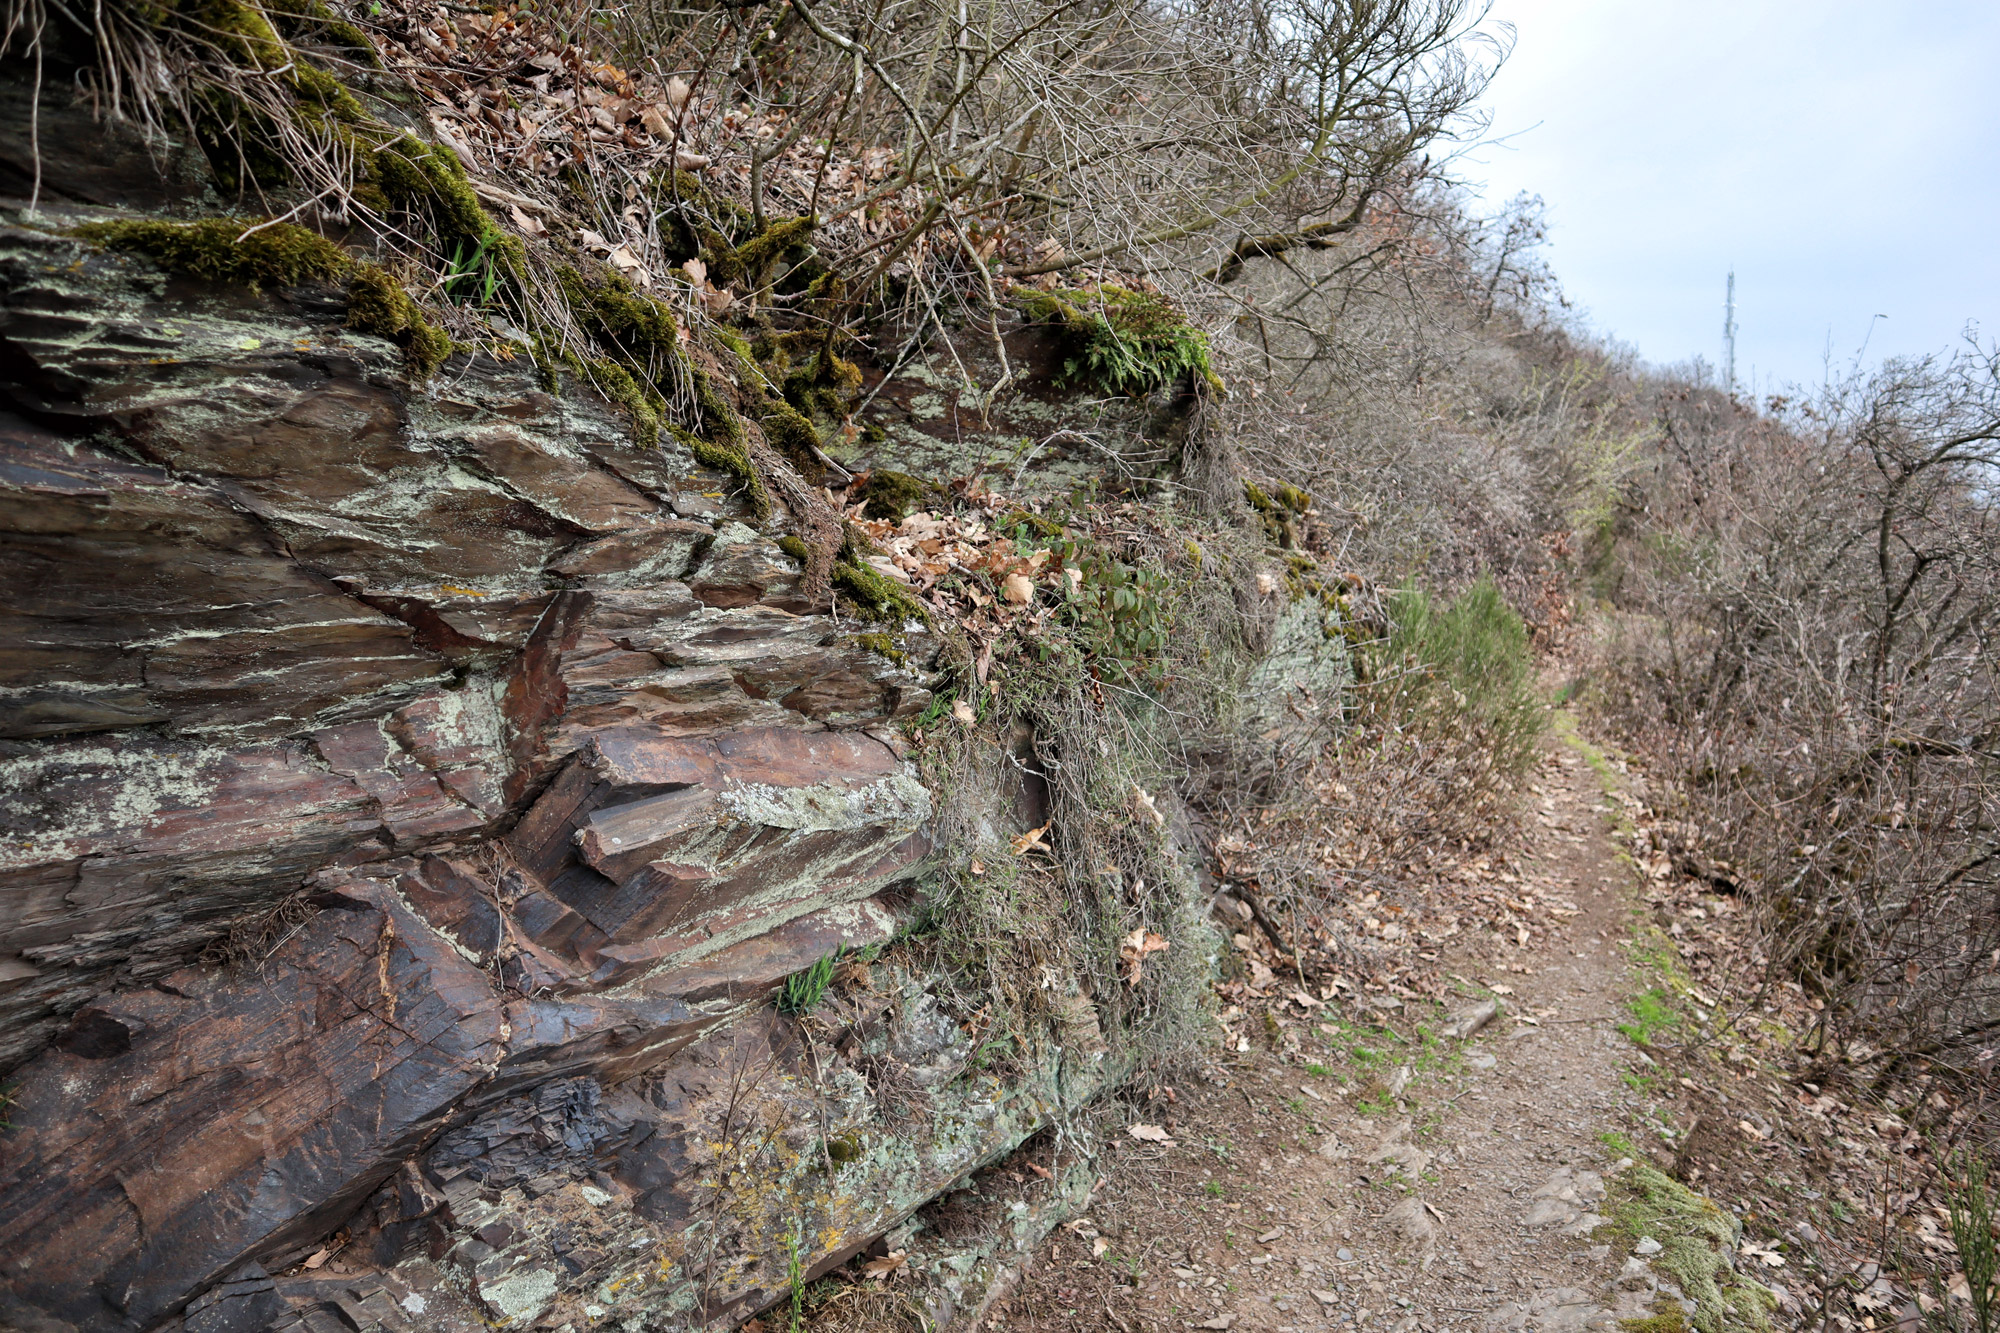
x=411, y=801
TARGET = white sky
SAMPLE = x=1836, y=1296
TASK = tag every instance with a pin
x=1844, y=156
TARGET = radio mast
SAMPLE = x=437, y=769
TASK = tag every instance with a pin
x=1729, y=337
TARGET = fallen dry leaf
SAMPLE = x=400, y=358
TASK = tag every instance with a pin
x=1150, y=1134
x=529, y=226
x=1018, y=589
x=1145, y=804
x=963, y=712
x=892, y=1262
x=1030, y=840
x=1771, y=1257
x=1133, y=950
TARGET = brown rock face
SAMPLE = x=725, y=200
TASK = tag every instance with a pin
x=393, y=783
x=179, y=1130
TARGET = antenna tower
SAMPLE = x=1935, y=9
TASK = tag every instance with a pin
x=1729, y=338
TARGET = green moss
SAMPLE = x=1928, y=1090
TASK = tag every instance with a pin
x=892, y=495
x=822, y=388
x=1124, y=341
x=427, y=182
x=1038, y=525
x=280, y=254
x=1280, y=510
x=1696, y=1240
x=878, y=596
x=756, y=256
x=717, y=416
x=843, y=1149
x=377, y=304
x=242, y=30
x=884, y=644
x=747, y=265
x=317, y=88
x=612, y=311
x=639, y=401
x=644, y=339
x=308, y=19
x=1672, y=1319
x=238, y=140
x=733, y=459
x=685, y=205
x=793, y=437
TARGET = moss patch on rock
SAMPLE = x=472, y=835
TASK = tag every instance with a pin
x=1697, y=1240
x=751, y=261
x=1279, y=510
x=875, y=595
x=283, y=255
x=377, y=304
x=226, y=249
x=793, y=437
x=821, y=389
x=892, y=495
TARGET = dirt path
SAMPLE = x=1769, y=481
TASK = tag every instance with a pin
x=1367, y=1183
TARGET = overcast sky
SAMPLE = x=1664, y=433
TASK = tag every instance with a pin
x=1844, y=157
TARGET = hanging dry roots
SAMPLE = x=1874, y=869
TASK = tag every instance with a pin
x=818, y=521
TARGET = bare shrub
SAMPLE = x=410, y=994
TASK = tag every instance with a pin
x=1818, y=591
x=1416, y=381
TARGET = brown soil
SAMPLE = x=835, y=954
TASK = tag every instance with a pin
x=1290, y=1199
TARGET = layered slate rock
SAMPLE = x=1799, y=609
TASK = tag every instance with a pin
x=276, y=612
x=411, y=798
x=174, y=1135
x=177, y=1132
x=410, y=801
x=663, y=848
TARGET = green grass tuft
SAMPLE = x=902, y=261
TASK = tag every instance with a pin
x=1653, y=1012
x=803, y=990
